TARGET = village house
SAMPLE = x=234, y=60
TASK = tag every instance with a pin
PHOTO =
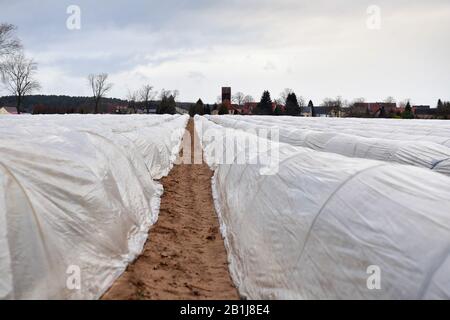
x=8, y=110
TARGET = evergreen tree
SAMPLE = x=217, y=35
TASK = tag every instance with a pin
x=223, y=109
x=264, y=107
x=199, y=107
x=311, y=106
x=172, y=106
x=192, y=110
x=278, y=111
x=207, y=109
x=162, y=105
x=441, y=112
x=167, y=105
x=292, y=106
x=408, y=113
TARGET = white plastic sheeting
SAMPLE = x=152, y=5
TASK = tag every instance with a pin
x=428, y=154
x=368, y=127
x=156, y=138
x=412, y=130
x=77, y=199
x=315, y=228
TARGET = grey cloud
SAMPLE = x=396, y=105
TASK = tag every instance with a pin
x=270, y=66
x=195, y=75
x=325, y=41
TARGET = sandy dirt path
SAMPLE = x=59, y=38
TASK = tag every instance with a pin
x=184, y=257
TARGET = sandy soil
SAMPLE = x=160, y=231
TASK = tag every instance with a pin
x=184, y=257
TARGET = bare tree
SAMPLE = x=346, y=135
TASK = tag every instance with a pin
x=284, y=95
x=99, y=87
x=301, y=101
x=146, y=94
x=9, y=43
x=248, y=99
x=336, y=104
x=18, y=76
x=164, y=94
x=390, y=100
x=238, y=98
x=280, y=101
x=132, y=98
x=175, y=94
x=167, y=93
x=403, y=104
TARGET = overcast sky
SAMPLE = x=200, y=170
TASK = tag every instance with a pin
x=318, y=48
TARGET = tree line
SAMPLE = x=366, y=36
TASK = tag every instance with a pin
x=290, y=104
x=287, y=104
x=138, y=99
x=443, y=109
x=60, y=104
x=144, y=98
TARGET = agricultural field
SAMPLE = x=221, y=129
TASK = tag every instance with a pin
x=119, y=207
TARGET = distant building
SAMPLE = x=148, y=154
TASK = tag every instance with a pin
x=306, y=111
x=234, y=109
x=181, y=107
x=249, y=108
x=345, y=112
x=424, y=112
x=226, y=94
x=374, y=109
x=120, y=109
x=322, y=111
x=8, y=110
x=421, y=108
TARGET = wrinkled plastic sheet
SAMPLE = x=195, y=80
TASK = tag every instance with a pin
x=312, y=230
x=405, y=149
x=77, y=198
